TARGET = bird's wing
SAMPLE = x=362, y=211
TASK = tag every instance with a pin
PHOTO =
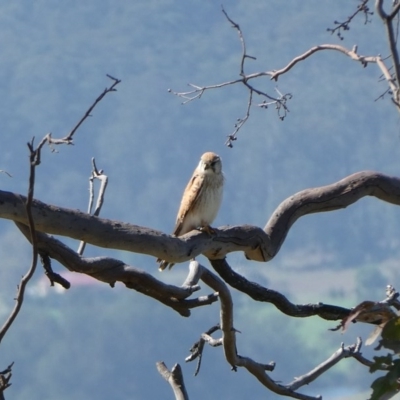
x=190, y=196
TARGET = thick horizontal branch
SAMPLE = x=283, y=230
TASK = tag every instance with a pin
x=256, y=243
x=137, y=239
x=110, y=270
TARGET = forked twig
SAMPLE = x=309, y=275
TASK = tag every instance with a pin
x=90, y=109
x=243, y=43
x=96, y=174
x=279, y=102
x=5, y=377
x=35, y=160
x=345, y=25
x=175, y=379
x=69, y=138
x=26, y=278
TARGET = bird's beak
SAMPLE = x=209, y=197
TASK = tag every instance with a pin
x=207, y=166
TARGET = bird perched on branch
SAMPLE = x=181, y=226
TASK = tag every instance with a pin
x=201, y=199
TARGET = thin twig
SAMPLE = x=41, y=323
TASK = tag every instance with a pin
x=5, y=377
x=243, y=43
x=239, y=123
x=69, y=138
x=280, y=102
x=198, y=91
x=34, y=157
x=96, y=174
x=338, y=355
x=90, y=109
x=51, y=275
x=345, y=25
x=196, y=351
x=5, y=172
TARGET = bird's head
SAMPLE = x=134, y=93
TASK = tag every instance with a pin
x=210, y=163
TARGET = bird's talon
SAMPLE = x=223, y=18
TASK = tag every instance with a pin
x=209, y=230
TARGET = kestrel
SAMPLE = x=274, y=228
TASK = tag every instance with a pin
x=201, y=199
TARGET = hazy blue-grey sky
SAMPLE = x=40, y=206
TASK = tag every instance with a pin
x=54, y=59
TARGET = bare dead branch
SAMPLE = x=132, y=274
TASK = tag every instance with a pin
x=198, y=91
x=382, y=13
x=110, y=270
x=53, y=276
x=279, y=102
x=8, y=369
x=239, y=123
x=196, y=351
x=379, y=8
x=332, y=197
x=33, y=158
x=96, y=174
x=5, y=377
x=256, y=243
x=260, y=293
x=391, y=36
x=338, y=355
x=352, y=351
x=379, y=313
x=29, y=228
x=69, y=138
x=211, y=341
x=350, y=53
x=368, y=363
x=124, y=236
x=395, y=10
x=229, y=343
x=345, y=25
x=242, y=41
x=175, y=379
x=229, y=339
x=107, y=90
